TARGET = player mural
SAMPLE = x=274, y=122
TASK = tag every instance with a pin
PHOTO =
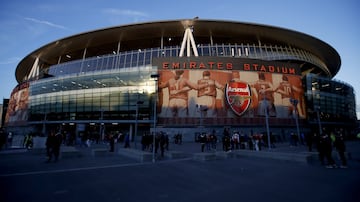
x=17, y=112
x=228, y=88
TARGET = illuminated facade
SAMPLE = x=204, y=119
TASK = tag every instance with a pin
x=211, y=73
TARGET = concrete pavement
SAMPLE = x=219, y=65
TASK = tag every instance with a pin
x=192, y=150
x=112, y=177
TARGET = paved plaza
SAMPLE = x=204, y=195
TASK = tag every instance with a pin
x=24, y=176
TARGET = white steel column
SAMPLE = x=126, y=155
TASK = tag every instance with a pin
x=34, y=72
x=59, y=60
x=84, y=53
x=118, y=48
x=189, y=41
x=188, y=51
x=181, y=54
x=191, y=37
x=82, y=61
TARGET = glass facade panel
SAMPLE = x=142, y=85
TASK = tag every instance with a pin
x=326, y=95
x=143, y=57
x=82, y=94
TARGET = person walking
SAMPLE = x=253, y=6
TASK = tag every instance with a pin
x=162, y=144
x=9, y=139
x=339, y=144
x=112, y=142
x=127, y=141
x=2, y=138
x=309, y=138
x=325, y=151
x=203, y=141
x=57, y=144
x=53, y=143
x=226, y=140
x=49, y=145
x=28, y=141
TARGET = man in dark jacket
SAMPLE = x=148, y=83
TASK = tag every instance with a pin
x=53, y=143
x=339, y=144
x=57, y=144
x=325, y=150
x=203, y=141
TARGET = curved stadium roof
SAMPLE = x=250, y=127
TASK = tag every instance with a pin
x=148, y=35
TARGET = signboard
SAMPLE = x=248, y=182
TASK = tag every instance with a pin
x=228, y=88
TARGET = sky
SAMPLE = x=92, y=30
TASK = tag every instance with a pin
x=28, y=25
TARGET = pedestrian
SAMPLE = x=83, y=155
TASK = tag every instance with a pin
x=339, y=144
x=127, y=141
x=250, y=142
x=143, y=142
x=2, y=138
x=167, y=141
x=227, y=143
x=28, y=141
x=157, y=142
x=226, y=140
x=162, y=143
x=9, y=139
x=325, y=150
x=309, y=140
x=112, y=142
x=213, y=140
x=293, y=139
x=208, y=142
x=256, y=142
x=235, y=140
x=302, y=138
x=203, y=140
x=83, y=139
x=57, y=144
x=53, y=143
x=49, y=145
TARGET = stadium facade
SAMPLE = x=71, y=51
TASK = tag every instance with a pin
x=201, y=75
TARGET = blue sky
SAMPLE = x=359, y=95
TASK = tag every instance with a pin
x=27, y=25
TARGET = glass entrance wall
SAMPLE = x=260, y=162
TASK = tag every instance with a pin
x=334, y=100
x=110, y=95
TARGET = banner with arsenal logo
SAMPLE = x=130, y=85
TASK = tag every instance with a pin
x=200, y=90
x=238, y=96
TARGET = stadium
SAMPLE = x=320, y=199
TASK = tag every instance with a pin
x=182, y=76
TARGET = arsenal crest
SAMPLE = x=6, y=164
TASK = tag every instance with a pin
x=238, y=96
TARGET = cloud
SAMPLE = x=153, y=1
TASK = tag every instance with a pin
x=45, y=23
x=125, y=12
x=11, y=60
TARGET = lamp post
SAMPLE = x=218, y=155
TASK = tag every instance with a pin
x=202, y=109
x=101, y=127
x=155, y=77
x=317, y=108
x=295, y=103
x=44, y=125
x=136, y=119
x=267, y=122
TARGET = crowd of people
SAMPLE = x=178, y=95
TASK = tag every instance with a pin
x=325, y=143
x=234, y=141
x=161, y=141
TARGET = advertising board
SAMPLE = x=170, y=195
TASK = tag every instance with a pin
x=222, y=88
